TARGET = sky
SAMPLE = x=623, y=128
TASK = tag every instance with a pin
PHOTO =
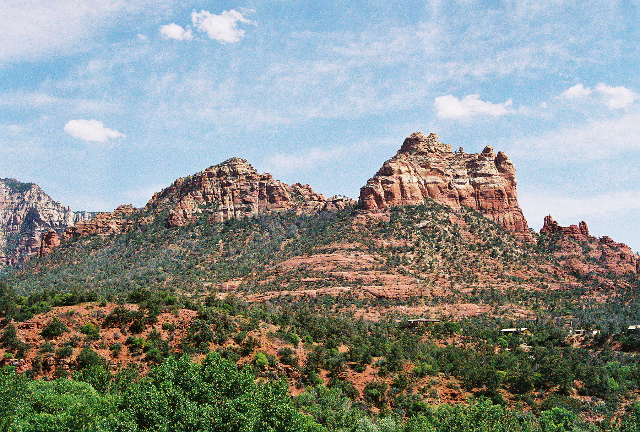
x=104, y=102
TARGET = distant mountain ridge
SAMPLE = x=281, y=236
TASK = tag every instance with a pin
x=27, y=214
x=423, y=169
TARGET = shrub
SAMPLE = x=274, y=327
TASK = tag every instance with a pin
x=54, y=329
x=91, y=331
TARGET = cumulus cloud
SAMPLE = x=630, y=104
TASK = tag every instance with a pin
x=90, y=130
x=616, y=97
x=578, y=91
x=613, y=97
x=223, y=27
x=453, y=108
x=174, y=31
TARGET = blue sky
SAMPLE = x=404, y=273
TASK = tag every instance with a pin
x=105, y=102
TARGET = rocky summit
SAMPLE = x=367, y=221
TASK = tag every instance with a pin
x=231, y=189
x=234, y=189
x=585, y=254
x=27, y=216
x=426, y=168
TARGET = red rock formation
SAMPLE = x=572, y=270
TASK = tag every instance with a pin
x=120, y=220
x=584, y=253
x=49, y=241
x=551, y=226
x=426, y=168
x=234, y=189
x=26, y=214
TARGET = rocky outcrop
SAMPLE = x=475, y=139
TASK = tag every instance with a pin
x=49, y=241
x=586, y=254
x=234, y=189
x=26, y=215
x=426, y=168
x=105, y=223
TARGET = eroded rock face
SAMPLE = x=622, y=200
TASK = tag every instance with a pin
x=426, y=168
x=551, y=226
x=26, y=215
x=105, y=223
x=49, y=241
x=234, y=189
x=585, y=254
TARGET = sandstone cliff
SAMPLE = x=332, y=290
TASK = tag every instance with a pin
x=26, y=215
x=232, y=189
x=426, y=168
x=105, y=223
x=585, y=254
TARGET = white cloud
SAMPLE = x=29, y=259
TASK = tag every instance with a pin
x=612, y=97
x=90, y=130
x=223, y=27
x=616, y=97
x=578, y=91
x=451, y=107
x=174, y=31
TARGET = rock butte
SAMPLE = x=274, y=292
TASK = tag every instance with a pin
x=426, y=168
x=422, y=168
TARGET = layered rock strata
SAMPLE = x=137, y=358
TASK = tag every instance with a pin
x=234, y=189
x=584, y=253
x=27, y=214
x=105, y=223
x=426, y=168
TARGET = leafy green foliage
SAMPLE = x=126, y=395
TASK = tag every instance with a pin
x=54, y=329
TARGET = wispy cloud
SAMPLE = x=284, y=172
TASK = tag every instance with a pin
x=140, y=196
x=450, y=107
x=91, y=130
x=572, y=209
x=598, y=139
x=32, y=29
x=285, y=163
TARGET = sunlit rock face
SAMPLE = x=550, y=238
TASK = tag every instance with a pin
x=27, y=214
x=234, y=189
x=426, y=168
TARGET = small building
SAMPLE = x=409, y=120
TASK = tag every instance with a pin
x=634, y=328
x=583, y=332
x=518, y=330
x=421, y=321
